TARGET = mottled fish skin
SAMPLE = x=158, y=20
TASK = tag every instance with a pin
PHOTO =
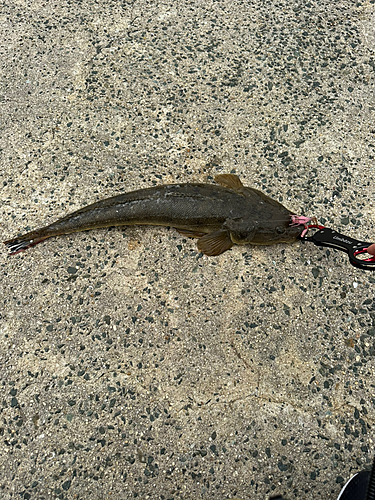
x=219, y=215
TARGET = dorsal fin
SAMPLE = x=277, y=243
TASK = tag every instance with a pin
x=230, y=181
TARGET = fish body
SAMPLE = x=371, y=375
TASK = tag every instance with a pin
x=220, y=215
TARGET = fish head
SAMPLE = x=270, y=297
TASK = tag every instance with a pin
x=270, y=233
x=263, y=233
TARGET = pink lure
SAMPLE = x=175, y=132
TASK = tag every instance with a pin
x=298, y=220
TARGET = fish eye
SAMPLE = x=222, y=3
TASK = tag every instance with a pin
x=279, y=230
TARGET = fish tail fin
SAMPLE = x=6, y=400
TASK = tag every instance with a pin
x=22, y=243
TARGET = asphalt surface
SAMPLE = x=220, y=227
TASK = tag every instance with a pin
x=131, y=365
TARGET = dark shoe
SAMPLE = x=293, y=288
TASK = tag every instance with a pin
x=356, y=487
x=360, y=487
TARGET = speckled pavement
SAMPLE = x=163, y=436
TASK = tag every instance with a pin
x=131, y=365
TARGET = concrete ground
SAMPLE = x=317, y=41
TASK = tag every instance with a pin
x=131, y=365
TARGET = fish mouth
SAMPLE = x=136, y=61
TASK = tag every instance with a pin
x=289, y=235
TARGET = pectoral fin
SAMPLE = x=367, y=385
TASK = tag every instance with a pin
x=215, y=243
x=230, y=181
x=190, y=234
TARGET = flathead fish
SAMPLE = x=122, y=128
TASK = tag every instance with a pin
x=219, y=215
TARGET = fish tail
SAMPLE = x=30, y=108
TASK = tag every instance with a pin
x=22, y=243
